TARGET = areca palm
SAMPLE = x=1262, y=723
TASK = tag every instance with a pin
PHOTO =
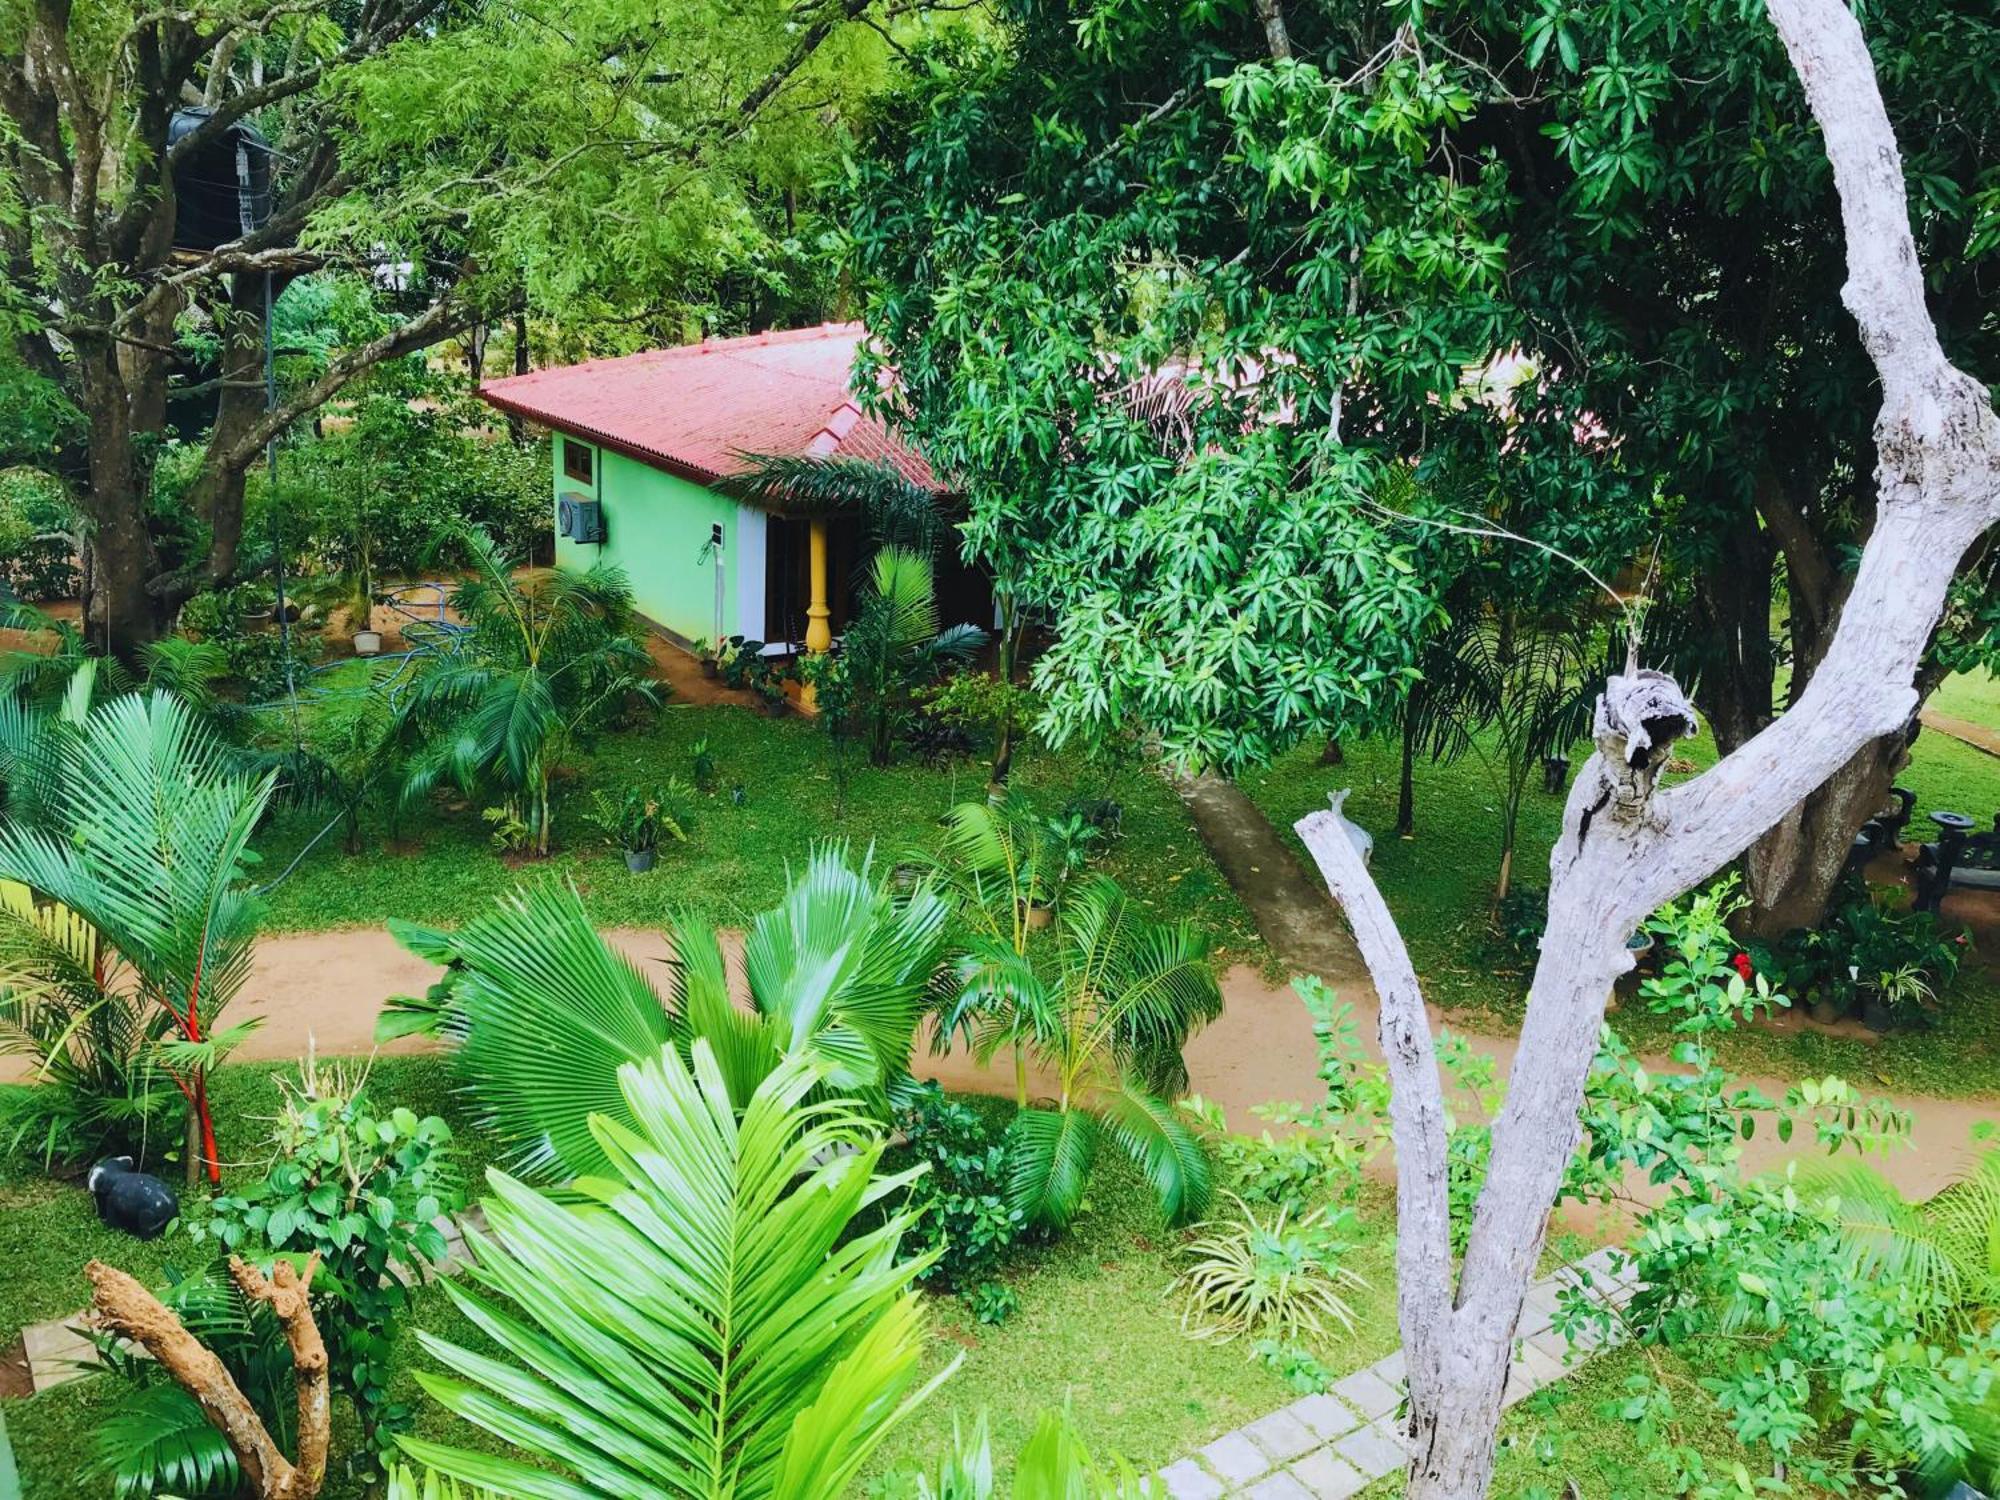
x=546, y=1011
x=703, y=1324
x=145, y=836
x=893, y=643
x=1106, y=1014
x=1947, y=1247
x=546, y=659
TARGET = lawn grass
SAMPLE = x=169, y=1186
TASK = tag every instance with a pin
x=1974, y=696
x=735, y=861
x=1440, y=883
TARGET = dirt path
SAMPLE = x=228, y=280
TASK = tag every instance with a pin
x=1976, y=735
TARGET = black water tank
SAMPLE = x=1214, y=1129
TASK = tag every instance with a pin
x=217, y=186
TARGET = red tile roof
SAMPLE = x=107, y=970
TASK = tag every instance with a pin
x=696, y=410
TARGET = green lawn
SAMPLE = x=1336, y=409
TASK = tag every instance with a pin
x=1096, y=1328
x=1440, y=883
x=1971, y=695
x=444, y=870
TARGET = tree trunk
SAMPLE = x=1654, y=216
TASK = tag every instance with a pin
x=1003, y=735
x=1625, y=848
x=515, y=430
x=1793, y=869
x=120, y=1305
x=1406, y=790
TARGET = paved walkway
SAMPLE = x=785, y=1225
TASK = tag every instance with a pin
x=1334, y=1445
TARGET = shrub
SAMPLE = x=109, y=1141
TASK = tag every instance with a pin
x=1870, y=948
x=1276, y=1276
x=363, y=1190
x=965, y=1216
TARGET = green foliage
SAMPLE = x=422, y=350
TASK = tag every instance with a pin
x=1317, y=1156
x=893, y=647
x=1839, y=1377
x=702, y=1321
x=146, y=839
x=966, y=1220
x=237, y=621
x=545, y=1012
x=1872, y=947
x=1107, y=1016
x=1271, y=1276
x=90, y=1039
x=38, y=537
x=363, y=1191
x=547, y=662
x=1053, y=1464
x=393, y=490
x=640, y=819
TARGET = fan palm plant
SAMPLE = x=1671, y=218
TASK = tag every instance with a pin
x=1106, y=1014
x=545, y=1012
x=145, y=838
x=546, y=659
x=895, y=509
x=707, y=1322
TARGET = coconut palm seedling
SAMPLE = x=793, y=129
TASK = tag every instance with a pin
x=546, y=660
x=544, y=1011
x=703, y=1320
x=1104, y=1007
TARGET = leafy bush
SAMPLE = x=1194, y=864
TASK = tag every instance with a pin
x=38, y=543
x=363, y=1191
x=1519, y=919
x=966, y=1219
x=641, y=819
x=237, y=620
x=1276, y=1276
x=1870, y=948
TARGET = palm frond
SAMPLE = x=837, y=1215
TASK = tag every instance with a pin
x=158, y=1440
x=704, y=1324
x=1051, y=1152
x=1157, y=1138
x=550, y=1012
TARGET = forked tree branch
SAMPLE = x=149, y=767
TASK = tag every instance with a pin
x=120, y=1305
x=1623, y=849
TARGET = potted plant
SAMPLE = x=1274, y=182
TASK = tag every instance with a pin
x=704, y=650
x=636, y=822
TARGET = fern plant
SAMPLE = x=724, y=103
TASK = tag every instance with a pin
x=1948, y=1247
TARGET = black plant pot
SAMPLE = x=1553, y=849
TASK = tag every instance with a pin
x=639, y=861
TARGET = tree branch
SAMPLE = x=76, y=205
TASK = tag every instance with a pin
x=120, y=1305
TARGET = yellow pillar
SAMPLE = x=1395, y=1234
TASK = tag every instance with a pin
x=819, y=634
x=819, y=630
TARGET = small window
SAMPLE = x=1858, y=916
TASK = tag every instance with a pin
x=577, y=461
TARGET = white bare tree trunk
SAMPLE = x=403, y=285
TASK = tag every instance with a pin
x=1624, y=849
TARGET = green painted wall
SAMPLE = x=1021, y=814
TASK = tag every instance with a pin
x=655, y=525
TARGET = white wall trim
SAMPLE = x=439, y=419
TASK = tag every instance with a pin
x=749, y=565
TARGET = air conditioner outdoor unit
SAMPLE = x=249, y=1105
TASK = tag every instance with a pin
x=580, y=520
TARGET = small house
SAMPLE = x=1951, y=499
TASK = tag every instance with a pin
x=642, y=443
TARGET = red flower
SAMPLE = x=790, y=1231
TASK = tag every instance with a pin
x=1744, y=966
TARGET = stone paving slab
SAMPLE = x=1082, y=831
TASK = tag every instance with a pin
x=1334, y=1445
